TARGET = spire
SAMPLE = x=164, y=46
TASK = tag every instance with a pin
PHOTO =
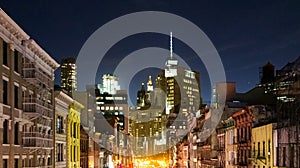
x=171, y=45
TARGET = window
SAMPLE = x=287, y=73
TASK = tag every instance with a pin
x=74, y=130
x=74, y=154
x=264, y=145
x=16, y=96
x=60, y=152
x=49, y=161
x=284, y=156
x=292, y=157
x=258, y=149
x=4, y=53
x=253, y=149
x=16, y=133
x=5, y=163
x=16, y=163
x=5, y=92
x=5, y=132
x=16, y=61
x=59, y=125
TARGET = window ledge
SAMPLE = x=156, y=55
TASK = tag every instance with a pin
x=17, y=73
x=6, y=67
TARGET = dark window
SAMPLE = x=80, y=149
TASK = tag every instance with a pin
x=74, y=154
x=284, y=156
x=5, y=165
x=254, y=149
x=16, y=61
x=49, y=161
x=59, y=152
x=277, y=156
x=16, y=163
x=5, y=92
x=16, y=140
x=249, y=133
x=264, y=145
x=16, y=96
x=258, y=149
x=4, y=53
x=292, y=156
x=5, y=132
x=74, y=130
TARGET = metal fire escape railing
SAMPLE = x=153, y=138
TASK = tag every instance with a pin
x=35, y=76
x=37, y=108
x=37, y=140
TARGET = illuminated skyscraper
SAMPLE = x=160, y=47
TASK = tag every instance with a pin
x=182, y=86
x=68, y=75
x=110, y=84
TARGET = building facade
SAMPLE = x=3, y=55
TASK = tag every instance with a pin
x=27, y=99
x=243, y=121
x=262, y=146
x=73, y=135
x=62, y=104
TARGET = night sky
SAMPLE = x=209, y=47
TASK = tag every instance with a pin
x=246, y=34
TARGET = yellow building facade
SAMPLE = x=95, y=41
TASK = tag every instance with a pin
x=262, y=146
x=73, y=138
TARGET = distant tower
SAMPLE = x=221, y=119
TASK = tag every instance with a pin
x=141, y=95
x=268, y=73
x=68, y=75
x=149, y=84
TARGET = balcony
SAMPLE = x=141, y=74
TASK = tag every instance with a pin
x=35, y=107
x=37, y=140
x=35, y=76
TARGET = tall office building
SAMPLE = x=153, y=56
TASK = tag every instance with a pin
x=182, y=86
x=27, y=99
x=68, y=75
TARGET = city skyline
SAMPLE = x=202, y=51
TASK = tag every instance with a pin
x=167, y=65
x=252, y=33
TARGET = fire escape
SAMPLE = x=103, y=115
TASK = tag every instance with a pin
x=38, y=109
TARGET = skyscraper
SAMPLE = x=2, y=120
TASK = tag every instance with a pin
x=182, y=86
x=110, y=84
x=68, y=75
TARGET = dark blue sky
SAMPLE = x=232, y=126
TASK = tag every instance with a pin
x=246, y=34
